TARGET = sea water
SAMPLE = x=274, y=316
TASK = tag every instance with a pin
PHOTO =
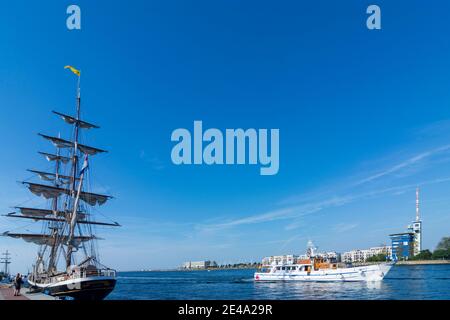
x=429, y=282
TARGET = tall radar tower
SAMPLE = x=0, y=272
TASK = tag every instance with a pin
x=416, y=227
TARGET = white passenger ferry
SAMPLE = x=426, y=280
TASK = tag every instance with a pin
x=316, y=268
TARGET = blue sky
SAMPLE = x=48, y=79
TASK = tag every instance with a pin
x=363, y=118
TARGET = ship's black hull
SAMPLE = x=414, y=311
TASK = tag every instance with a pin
x=84, y=290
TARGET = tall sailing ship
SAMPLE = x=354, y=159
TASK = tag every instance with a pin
x=67, y=262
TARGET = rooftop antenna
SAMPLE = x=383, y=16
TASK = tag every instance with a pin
x=417, y=205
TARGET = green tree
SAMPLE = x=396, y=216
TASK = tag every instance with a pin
x=423, y=255
x=444, y=244
x=377, y=258
x=441, y=254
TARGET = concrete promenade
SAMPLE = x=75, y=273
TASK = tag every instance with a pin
x=7, y=293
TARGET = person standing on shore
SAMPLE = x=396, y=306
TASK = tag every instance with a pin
x=17, y=284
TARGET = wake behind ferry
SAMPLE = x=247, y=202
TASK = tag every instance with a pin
x=316, y=268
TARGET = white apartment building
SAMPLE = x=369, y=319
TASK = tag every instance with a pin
x=291, y=258
x=284, y=259
x=199, y=264
x=356, y=256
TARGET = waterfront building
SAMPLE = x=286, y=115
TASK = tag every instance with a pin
x=289, y=259
x=283, y=259
x=352, y=256
x=361, y=255
x=292, y=258
x=387, y=250
x=416, y=228
x=403, y=245
x=408, y=244
x=330, y=256
x=199, y=264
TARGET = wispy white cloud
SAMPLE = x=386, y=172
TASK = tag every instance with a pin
x=324, y=200
x=344, y=227
x=155, y=162
x=279, y=214
x=404, y=164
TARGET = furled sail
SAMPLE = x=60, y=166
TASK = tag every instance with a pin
x=54, y=157
x=53, y=192
x=46, y=191
x=58, y=142
x=94, y=199
x=71, y=120
x=14, y=215
x=39, y=213
x=47, y=176
x=32, y=212
x=61, y=143
x=44, y=239
x=89, y=150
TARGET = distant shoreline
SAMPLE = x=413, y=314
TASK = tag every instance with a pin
x=399, y=263
x=422, y=262
x=218, y=268
x=188, y=270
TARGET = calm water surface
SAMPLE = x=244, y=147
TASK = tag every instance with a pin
x=402, y=282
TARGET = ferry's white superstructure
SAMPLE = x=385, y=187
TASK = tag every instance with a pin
x=320, y=272
x=318, y=267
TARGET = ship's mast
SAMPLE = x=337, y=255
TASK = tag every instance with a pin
x=54, y=226
x=73, y=218
x=75, y=150
x=62, y=218
x=6, y=261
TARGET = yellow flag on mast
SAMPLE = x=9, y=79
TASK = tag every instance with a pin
x=77, y=72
